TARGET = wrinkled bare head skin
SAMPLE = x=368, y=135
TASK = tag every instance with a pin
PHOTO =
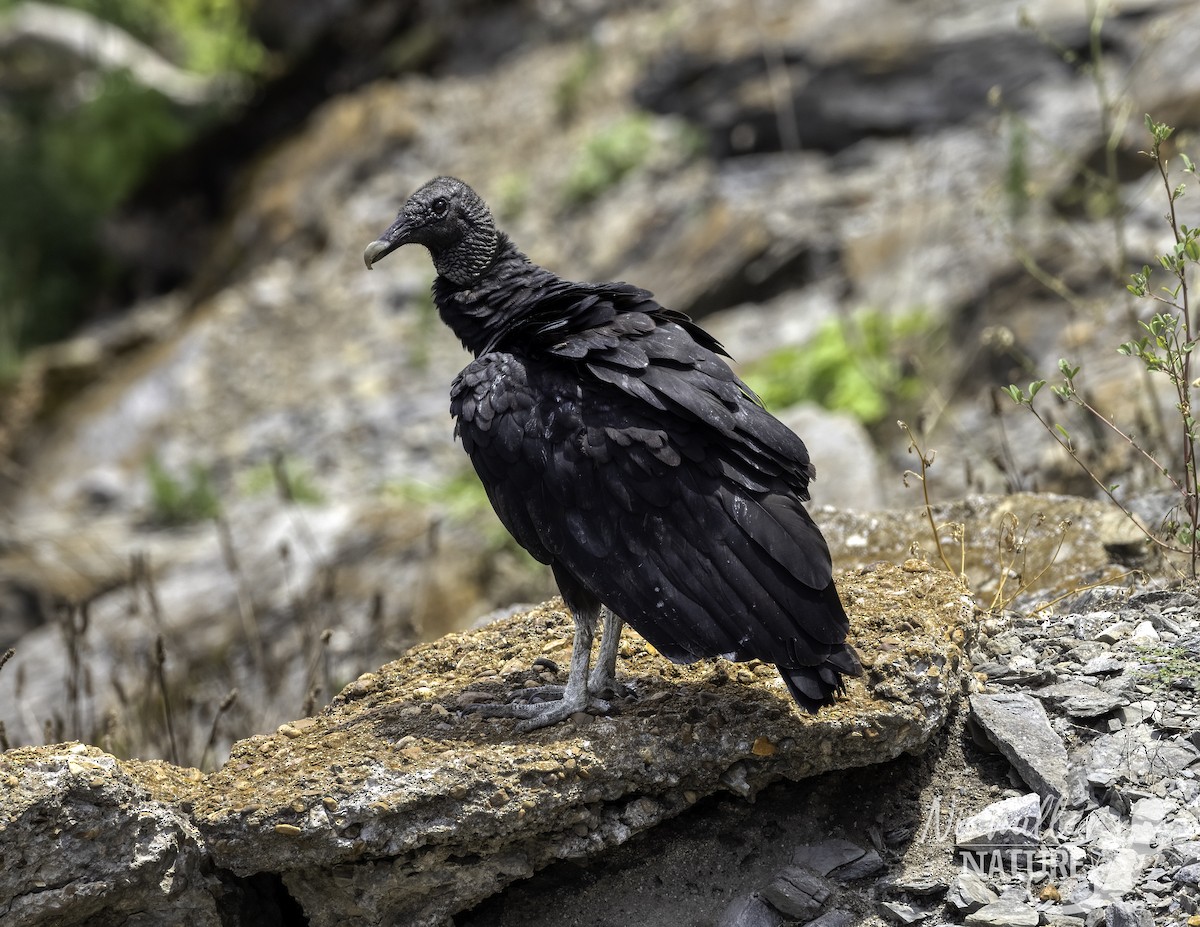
x=450, y=219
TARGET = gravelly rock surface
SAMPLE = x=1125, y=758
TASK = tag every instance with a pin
x=395, y=806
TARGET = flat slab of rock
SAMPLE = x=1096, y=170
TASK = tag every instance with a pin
x=1010, y=823
x=395, y=806
x=1005, y=912
x=826, y=856
x=1017, y=724
x=1079, y=700
x=969, y=892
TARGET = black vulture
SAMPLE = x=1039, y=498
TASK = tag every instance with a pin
x=617, y=446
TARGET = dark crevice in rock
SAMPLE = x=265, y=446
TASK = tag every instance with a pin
x=835, y=105
x=766, y=276
x=259, y=900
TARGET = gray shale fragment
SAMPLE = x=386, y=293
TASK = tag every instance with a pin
x=1005, y=912
x=1017, y=724
x=798, y=893
x=1012, y=822
x=866, y=865
x=969, y=892
x=1079, y=700
x=751, y=911
x=826, y=856
x=900, y=913
x=1127, y=914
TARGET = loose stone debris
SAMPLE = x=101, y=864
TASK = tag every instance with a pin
x=1097, y=715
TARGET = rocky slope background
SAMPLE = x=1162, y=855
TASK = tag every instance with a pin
x=225, y=501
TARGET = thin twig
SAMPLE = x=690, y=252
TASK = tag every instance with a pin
x=926, y=462
x=226, y=704
x=160, y=659
x=245, y=600
x=1066, y=446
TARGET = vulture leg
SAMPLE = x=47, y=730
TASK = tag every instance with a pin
x=603, y=679
x=567, y=700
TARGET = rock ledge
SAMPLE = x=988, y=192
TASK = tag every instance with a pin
x=395, y=806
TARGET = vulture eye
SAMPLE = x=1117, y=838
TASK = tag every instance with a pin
x=439, y=207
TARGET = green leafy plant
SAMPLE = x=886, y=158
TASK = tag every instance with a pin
x=1165, y=347
x=290, y=481
x=859, y=365
x=569, y=91
x=175, y=501
x=1164, y=667
x=607, y=157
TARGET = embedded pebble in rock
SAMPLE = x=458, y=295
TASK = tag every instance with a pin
x=1017, y=724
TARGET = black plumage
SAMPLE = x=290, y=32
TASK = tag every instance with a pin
x=617, y=446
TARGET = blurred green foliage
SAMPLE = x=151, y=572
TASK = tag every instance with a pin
x=204, y=36
x=462, y=498
x=607, y=157
x=292, y=480
x=72, y=151
x=178, y=501
x=862, y=365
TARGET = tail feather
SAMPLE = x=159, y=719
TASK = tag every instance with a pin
x=814, y=687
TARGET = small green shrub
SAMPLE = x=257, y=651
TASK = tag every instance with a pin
x=175, y=501
x=569, y=91
x=1163, y=667
x=289, y=480
x=858, y=366
x=607, y=157
x=1164, y=347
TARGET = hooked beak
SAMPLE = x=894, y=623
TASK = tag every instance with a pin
x=396, y=235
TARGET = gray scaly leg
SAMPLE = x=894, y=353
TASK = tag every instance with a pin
x=574, y=697
x=603, y=679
